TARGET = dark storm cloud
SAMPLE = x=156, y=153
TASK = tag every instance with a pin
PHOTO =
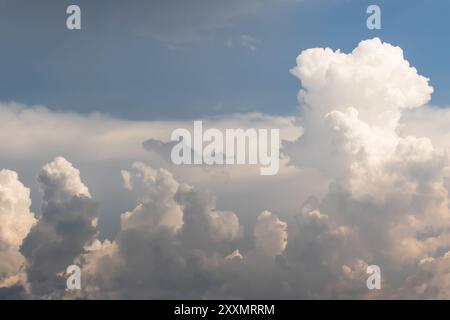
x=15, y=292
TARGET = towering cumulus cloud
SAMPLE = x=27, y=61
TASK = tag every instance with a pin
x=67, y=224
x=388, y=193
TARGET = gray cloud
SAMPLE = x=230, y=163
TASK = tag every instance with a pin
x=67, y=224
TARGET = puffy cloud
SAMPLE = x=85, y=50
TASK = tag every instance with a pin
x=158, y=207
x=431, y=279
x=388, y=182
x=60, y=181
x=427, y=121
x=374, y=78
x=167, y=245
x=270, y=234
x=67, y=224
x=16, y=221
x=203, y=223
x=155, y=260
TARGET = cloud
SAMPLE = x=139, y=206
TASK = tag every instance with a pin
x=387, y=187
x=151, y=259
x=158, y=207
x=96, y=137
x=374, y=78
x=67, y=224
x=385, y=202
x=16, y=220
x=168, y=245
x=270, y=234
x=431, y=281
x=102, y=146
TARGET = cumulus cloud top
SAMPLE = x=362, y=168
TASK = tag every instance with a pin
x=158, y=208
x=60, y=179
x=374, y=78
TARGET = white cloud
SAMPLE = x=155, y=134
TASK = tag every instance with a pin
x=16, y=221
x=388, y=187
x=270, y=234
x=375, y=79
x=158, y=207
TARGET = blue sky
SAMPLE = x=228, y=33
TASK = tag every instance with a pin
x=149, y=60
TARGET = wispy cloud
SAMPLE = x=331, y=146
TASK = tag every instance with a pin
x=250, y=42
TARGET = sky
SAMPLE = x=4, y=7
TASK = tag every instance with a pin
x=151, y=60
x=86, y=118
